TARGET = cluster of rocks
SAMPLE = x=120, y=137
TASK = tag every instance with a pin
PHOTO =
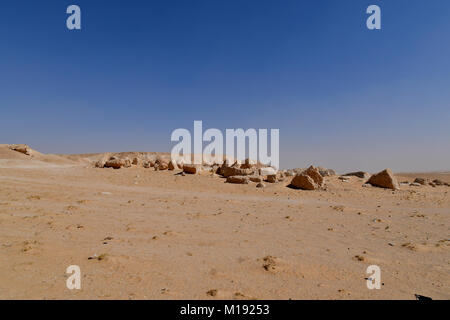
x=324, y=172
x=386, y=179
x=311, y=178
x=244, y=173
x=240, y=173
x=116, y=162
x=434, y=183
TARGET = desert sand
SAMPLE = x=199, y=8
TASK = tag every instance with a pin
x=137, y=233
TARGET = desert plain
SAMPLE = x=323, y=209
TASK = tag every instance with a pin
x=140, y=233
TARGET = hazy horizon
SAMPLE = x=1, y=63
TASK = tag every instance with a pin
x=343, y=96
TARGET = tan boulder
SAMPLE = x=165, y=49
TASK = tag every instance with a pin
x=303, y=181
x=256, y=179
x=384, y=179
x=359, y=174
x=162, y=165
x=238, y=179
x=314, y=173
x=309, y=179
x=421, y=181
x=192, y=168
x=22, y=148
x=115, y=163
x=234, y=171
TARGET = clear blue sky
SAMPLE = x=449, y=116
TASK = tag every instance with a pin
x=341, y=95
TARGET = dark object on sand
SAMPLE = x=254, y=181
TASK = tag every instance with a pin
x=419, y=297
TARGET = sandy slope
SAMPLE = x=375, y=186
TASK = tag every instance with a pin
x=174, y=237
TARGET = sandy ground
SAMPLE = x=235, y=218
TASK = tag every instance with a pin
x=166, y=236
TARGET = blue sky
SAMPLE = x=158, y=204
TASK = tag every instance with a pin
x=342, y=96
